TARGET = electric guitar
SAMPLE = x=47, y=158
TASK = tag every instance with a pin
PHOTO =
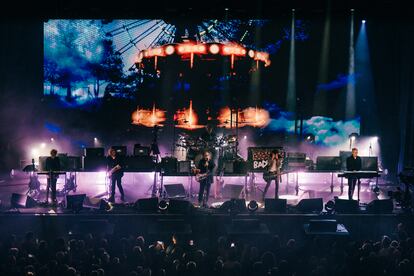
x=113, y=170
x=267, y=176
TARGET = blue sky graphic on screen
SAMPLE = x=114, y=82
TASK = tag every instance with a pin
x=88, y=60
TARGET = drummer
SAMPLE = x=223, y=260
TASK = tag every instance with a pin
x=209, y=136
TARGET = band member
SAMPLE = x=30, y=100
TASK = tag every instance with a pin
x=273, y=173
x=115, y=166
x=209, y=136
x=205, y=167
x=52, y=165
x=353, y=163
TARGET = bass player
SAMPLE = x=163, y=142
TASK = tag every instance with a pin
x=115, y=173
x=204, y=174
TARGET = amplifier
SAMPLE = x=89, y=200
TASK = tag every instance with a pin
x=184, y=167
x=141, y=151
x=296, y=159
x=328, y=163
x=169, y=164
x=120, y=150
x=94, y=152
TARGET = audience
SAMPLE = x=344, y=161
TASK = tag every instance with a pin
x=90, y=255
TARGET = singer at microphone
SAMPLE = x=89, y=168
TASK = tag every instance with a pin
x=205, y=166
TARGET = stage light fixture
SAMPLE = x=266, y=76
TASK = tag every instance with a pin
x=163, y=205
x=105, y=206
x=330, y=206
x=252, y=206
x=310, y=138
x=169, y=50
x=52, y=139
x=214, y=49
x=43, y=145
x=251, y=53
x=363, y=21
x=95, y=139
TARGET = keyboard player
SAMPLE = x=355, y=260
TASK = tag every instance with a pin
x=52, y=165
x=353, y=163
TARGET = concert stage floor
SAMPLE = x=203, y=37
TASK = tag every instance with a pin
x=206, y=222
x=139, y=185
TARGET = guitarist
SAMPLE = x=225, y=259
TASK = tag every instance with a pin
x=273, y=173
x=205, y=173
x=115, y=166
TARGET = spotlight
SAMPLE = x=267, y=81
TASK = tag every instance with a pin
x=353, y=136
x=105, y=205
x=251, y=53
x=52, y=139
x=95, y=139
x=363, y=21
x=310, y=138
x=169, y=50
x=252, y=206
x=163, y=205
x=330, y=206
x=214, y=49
x=245, y=137
x=43, y=145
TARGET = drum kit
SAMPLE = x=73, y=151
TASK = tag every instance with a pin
x=191, y=148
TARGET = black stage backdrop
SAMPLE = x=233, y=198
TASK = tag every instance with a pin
x=391, y=43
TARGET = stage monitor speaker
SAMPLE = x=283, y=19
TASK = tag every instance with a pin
x=232, y=191
x=120, y=150
x=273, y=205
x=380, y=206
x=184, y=166
x=328, y=163
x=175, y=190
x=323, y=225
x=75, y=202
x=345, y=206
x=169, y=165
x=310, y=205
x=94, y=164
x=369, y=163
x=147, y=205
x=94, y=152
x=178, y=206
x=234, y=205
x=22, y=201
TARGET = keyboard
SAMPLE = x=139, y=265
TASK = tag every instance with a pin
x=359, y=174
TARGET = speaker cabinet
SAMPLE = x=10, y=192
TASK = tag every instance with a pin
x=177, y=206
x=275, y=205
x=22, y=201
x=232, y=191
x=175, y=190
x=147, y=205
x=94, y=152
x=310, y=205
x=380, y=206
x=75, y=202
x=345, y=206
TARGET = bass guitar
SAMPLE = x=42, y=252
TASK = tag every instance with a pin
x=113, y=170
